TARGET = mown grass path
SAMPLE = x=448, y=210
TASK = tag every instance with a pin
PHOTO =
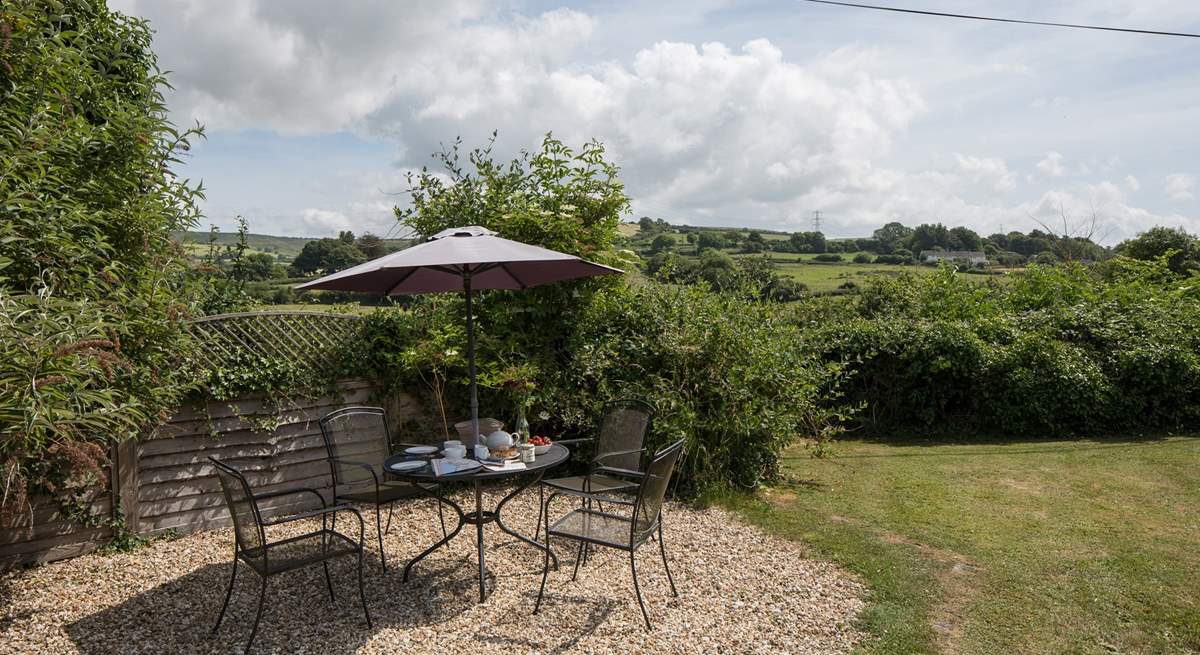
x=1088, y=546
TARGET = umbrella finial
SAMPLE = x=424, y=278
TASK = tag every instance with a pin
x=465, y=231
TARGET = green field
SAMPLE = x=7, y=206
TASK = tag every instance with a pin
x=284, y=249
x=1035, y=547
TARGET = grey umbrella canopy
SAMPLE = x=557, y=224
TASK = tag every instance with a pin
x=462, y=259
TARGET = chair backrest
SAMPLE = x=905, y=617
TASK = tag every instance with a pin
x=243, y=509
x=653, y=490
x=348, y=425
x=623, y=426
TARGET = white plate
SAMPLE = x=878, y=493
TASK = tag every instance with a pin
x=421, y=450
x=406, y=466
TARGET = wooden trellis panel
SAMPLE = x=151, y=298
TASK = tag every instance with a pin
x=310, y=338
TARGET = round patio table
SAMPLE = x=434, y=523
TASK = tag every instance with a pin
x=534, y=472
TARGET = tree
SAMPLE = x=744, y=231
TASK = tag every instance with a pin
x=927, y=236
x=259, y=266
x=964, y=238
x=346, y=236
x=555, y=197
x=809, y=242
x=326, y=255
x=371, y=246
x=93, y=291
x=646, y=224
x=1183, y=248
x=734, y=237
x=710, y=239
x=889, y=237
x=661, y=243
x=755, y=237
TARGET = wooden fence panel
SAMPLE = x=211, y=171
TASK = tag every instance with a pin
x=165, y=481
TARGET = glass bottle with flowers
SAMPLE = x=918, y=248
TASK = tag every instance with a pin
x=517, y=381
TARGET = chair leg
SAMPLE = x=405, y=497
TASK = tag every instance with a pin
x=578, y=558
x=328, y=582
x=379, y=532
x=262, y=597
x=362, y=594
x=228, y=594
x=638, y=590
x=388, y=529
x=545, y=562
x=541, y=501
x=662, y=549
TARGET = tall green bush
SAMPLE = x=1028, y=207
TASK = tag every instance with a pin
x=90, y=282
x=1058, y=350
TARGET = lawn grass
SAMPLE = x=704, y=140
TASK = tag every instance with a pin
x=1035, y=547
x=827, y=277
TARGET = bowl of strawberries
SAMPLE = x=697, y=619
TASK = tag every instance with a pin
x=541, y=445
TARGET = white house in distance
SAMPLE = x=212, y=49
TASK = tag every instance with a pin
x=972, y=257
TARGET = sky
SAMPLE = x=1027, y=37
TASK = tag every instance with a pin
x=748, y=113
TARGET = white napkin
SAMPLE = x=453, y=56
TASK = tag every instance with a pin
x=446, y=466
x=508, y=465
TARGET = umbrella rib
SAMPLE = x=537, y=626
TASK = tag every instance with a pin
x=400, y=281
x=513, y=276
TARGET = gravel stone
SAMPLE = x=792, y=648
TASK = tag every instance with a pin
x=740, y=591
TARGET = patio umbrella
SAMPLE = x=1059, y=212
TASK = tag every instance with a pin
x=466, y=259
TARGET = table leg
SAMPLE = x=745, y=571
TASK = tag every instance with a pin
x=479, y=521
x=500, y=521
x=444, y=540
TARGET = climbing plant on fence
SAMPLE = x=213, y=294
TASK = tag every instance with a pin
x=279, y=355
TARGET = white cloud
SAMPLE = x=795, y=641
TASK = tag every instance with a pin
x=1179, y=186
x=1051, y=165
x=324, y=221
x=990, y=170
x=747, y=132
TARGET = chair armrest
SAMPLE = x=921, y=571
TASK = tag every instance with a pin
x=579, y=440
x=619, y=471
x=616, y=453
x=362, y=465
x=288, y=492
x=591, y=496
x=323, y=512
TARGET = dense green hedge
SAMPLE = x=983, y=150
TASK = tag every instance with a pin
x=717, y=368
x=1053, y=351
x=91, y=285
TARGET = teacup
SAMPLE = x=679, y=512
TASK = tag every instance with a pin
x=455, y=452
x=453, y=443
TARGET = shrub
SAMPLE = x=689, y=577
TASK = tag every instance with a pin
x=1061, y=350
x=862, y=258
x=828, y=258
x=721, y=372
x=90, y=281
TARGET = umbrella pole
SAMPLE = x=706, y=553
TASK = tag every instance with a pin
x=471, y=359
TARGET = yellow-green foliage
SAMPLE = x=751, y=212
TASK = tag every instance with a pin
x=90, y=316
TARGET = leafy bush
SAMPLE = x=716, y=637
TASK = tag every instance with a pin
x=862, y=258
x=828, y=258
x=90, y=281
x=718, y=369
x=1060, y=350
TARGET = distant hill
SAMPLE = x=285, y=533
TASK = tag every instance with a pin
x=283, y=248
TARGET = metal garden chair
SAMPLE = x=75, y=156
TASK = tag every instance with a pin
x=617, y=531
x=616, y=464
x=360, y=478
x=268, y=558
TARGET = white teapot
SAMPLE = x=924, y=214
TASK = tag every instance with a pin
x=499, y=440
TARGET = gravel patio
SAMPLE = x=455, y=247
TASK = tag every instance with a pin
x=740, y=592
